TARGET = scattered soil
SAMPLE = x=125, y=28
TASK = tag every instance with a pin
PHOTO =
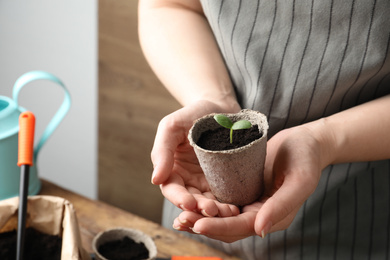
x=124, y=249
x=219, y=139
x=37, y=245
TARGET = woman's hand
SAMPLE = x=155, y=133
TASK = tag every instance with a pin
x=176, y=168
x=294, y=162
x=292, y=171
x=295, y=159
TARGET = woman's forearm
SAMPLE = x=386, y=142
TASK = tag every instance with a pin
x=179, y=45
x=361, y=133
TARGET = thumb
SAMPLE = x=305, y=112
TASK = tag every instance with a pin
x=163, y=151
x=278, y=212
x=162, y=167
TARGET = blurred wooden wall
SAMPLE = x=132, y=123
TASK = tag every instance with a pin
x=131, y=103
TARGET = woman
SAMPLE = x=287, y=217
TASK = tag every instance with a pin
x=320, y=72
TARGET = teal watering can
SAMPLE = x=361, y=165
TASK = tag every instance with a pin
x=9, y=129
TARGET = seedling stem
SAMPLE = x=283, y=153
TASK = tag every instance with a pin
x=226, y=122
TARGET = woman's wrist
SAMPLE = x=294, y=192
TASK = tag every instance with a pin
x=356, y=134
x=228, y=105
x=326, y=140
x=219, y=101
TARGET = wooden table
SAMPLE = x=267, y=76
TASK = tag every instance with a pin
x=95, y=216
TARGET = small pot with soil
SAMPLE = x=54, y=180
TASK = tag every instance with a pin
x=123, y=244
x=39, y=245
x=52, y=230
x=232, y=161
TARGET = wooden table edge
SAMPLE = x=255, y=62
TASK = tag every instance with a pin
x=95, y=216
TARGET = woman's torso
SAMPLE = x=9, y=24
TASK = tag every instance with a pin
x=297, y=61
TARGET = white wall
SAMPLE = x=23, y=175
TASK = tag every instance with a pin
x=58, y=36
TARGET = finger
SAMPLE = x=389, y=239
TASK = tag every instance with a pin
x=284, y=223
x=168, y=137
x=161, y=169
x=227, y=210
x=171, y=132
x=228, y=229
x=205, y=202
x=206, y=206
x=213, y=208
x=185, y=221
x=180, y=227
x=254, y=206
x=210, y=207
x=283, y=205
x=209, y=195
x=234, y=209
x=175, y=191
x=224, y=210
x=281, y=225
x=188, y=218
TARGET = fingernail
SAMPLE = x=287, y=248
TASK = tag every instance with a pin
x=266, y=229
x=193, y=230
x=204, y=213
x=182, y=221
x=153, y=176
x=183, y=208
x=176, y=227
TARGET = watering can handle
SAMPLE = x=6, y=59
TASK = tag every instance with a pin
x=61, y=112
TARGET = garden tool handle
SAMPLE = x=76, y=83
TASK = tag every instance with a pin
x=26, y=138
x=25, y=160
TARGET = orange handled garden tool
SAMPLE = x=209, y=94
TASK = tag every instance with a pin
x=25, y=160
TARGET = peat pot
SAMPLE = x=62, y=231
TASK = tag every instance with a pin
x=235, y=176
x=119, y=234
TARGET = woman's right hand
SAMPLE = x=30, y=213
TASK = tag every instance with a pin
x=292, y=170
x=176, y=168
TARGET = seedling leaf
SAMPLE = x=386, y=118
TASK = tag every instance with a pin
x=223, y=121
x=242, y=124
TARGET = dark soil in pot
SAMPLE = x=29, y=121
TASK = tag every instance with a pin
x=124, y=249
x=37, y=245
x=219, y=139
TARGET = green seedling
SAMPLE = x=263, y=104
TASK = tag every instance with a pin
x=228, y=123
